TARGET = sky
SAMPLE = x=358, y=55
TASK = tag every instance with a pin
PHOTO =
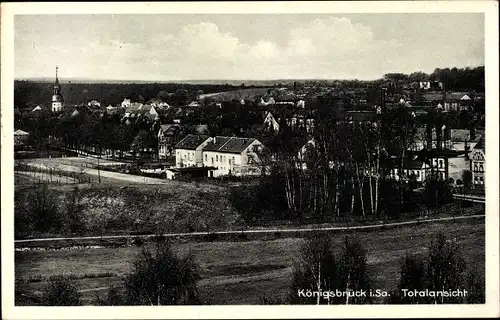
x=167, y=47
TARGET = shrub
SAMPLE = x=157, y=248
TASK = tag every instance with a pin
x=162, y=278
x=61, y=291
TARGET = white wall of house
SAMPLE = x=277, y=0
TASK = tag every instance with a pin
x=224, y=162
x=236, y=164
x=187, y=158
x=420, y=174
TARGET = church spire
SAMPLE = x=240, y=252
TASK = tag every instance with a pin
x=57, y=78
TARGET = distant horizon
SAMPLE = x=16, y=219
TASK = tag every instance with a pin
x=214, y=80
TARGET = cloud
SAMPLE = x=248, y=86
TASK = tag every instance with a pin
x=331, y=47
x=321, y=44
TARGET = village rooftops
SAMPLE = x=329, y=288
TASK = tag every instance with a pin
x=192, y=141
x=228, y=144
x=169, y=127
x=20, y=132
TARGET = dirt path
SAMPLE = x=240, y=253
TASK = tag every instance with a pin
x=267, y=230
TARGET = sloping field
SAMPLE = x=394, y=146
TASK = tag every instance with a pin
x=243, y=272
x=249, y=93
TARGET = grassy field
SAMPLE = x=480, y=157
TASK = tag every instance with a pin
x=248, y=93
x=246, y=271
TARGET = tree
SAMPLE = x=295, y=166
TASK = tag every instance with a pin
x=317, y=270
x=73, y=208
x=476, y=290
x=353, y=271
x=399, y=130
x=61, y=291
x=320, y=271
x=162, y=278
x=445, y=268
x=412, y=277
x=39, y=209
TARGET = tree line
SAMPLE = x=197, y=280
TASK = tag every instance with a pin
x=343, y=170
x=31, y=94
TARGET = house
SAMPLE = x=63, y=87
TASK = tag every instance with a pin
x=194, y=104
x=270, y=122
x=360, y=117
x=271, y=101
x=126, y=103
x=133, y=109
x=166, y=139
x=199, y=128
x=425, y=85
x=477, y=163
x=149, y=112
x=20, y=137
x=94, y=103
x=232, y=156
x=188, y=152
x=457, y=101
x=411, y=168
x=300, y=122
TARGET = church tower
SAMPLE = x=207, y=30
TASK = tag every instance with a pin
x=57, y=98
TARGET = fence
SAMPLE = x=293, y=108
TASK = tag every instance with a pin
x=54, y=175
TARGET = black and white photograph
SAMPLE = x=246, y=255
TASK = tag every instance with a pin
x=265, y=158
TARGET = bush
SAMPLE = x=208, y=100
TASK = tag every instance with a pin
x=162, y=278
x=61, y=291
x=36, y=209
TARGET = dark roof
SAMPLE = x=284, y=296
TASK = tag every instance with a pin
x=170, y=127
x=216, y=143
x=360, y=116
x=432, y=96
x=408, y=163
x=412, y=164
x=191, y=141
x=229, y=144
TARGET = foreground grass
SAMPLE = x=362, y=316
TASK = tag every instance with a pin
x=244, y=272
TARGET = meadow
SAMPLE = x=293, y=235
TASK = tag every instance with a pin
x=246, y=272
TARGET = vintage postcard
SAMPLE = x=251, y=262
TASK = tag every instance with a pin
x=250, y=160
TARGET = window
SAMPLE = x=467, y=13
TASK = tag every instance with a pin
x=233, y=159
x=217, y=158
x=481, y=168
x=212, y=160
x=475, y=167
x=206, y=157
x=441, y=163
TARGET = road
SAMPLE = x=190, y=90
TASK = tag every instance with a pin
x=470, y=197
x=261, y=231
x=105, y=174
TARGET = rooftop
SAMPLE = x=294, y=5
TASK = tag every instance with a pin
x=192, y=141
x=229, y=144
